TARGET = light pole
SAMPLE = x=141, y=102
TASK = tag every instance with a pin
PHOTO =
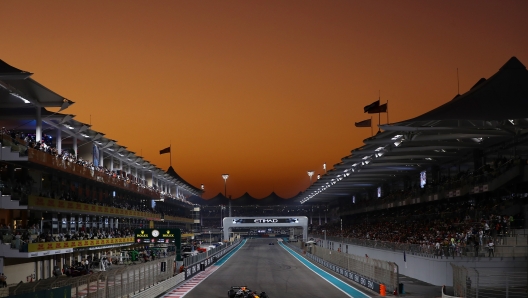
x=324, y=244
x=225, y=176
x=310, y=174
x=221, y=222
x=342, y=235
x=210, y=243
x=324, y=167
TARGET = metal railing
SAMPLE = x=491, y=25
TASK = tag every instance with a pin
x=122, y=281
x=520, y=249
x=489, y=282
x=190, y=260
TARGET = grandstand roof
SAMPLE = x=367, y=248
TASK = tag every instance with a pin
x=173, y=173
x=21, y=96
x=244, y=200
x=503, y=96
x=19, y=90
x=492, y=112
x=9, y=72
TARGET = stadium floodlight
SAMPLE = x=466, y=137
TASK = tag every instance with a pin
x=225, y=176
x=310, y=174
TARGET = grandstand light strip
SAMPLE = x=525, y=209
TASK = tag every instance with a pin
x=20, y=97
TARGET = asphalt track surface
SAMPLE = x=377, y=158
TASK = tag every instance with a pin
x=268, y=268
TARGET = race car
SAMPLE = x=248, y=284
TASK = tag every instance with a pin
x=244, y=292
x=271, y=243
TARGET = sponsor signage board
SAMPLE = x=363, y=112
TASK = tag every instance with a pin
x=65, y=246
x=160, y=236
x=264, y=220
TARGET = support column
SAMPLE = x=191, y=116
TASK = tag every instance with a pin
x=101, y=158
x=40, y=270
x=59, y=140
x=75, y=145
x=38, y=129
x=111, y=163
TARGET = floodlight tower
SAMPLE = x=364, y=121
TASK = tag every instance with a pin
x=310, y=174
x=225, y=176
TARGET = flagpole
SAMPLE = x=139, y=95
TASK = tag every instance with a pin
x=371, y=131
x=387, y=111
x=379, y=114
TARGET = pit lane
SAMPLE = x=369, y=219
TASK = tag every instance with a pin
x=264, y=267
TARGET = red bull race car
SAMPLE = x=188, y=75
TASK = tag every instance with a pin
x=244, y=292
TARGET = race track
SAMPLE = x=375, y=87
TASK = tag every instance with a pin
x=264, y=267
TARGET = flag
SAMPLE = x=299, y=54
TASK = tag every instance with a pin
x=371, y=106
x=95, y=155
x=166, y=150
x=364, y=123
x=378, y=109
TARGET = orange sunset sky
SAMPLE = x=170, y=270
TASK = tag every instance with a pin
x=262, y=90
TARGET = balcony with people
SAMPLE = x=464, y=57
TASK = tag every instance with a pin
x=44, y=153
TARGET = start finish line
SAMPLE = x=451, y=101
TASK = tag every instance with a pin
x=266, y=222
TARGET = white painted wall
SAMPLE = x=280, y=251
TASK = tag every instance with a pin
x=435, y=271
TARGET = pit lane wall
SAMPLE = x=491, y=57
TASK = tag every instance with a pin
x=207, y=260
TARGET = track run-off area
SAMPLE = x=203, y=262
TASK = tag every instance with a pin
x=275, y=269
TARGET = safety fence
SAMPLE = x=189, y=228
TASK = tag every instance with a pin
x=490, y=282
x=207, y=260
x=118, y=282
x=368, y=272
x=188, y=261
x=139, y=280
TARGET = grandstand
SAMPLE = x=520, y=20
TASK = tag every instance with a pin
x=427, y=195
x=68, y=193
